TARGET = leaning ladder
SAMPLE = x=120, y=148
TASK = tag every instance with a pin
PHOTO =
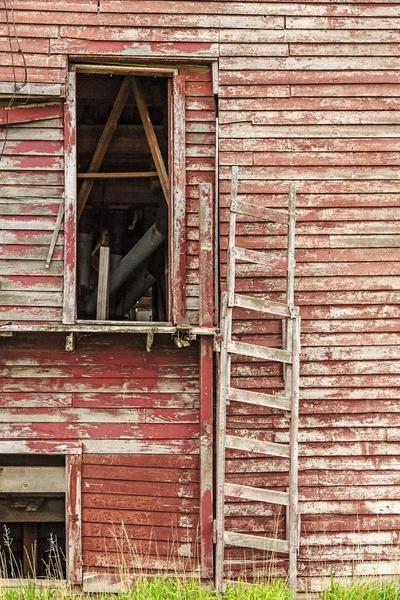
x=287, y=400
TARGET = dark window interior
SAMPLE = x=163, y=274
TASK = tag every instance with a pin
x=32, y=525
x=123, y=227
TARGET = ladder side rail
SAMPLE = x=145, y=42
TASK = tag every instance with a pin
x=220, y=450
x=292, y=393
x=225, y=381
x=293, y=509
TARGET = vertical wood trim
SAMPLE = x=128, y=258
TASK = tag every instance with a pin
x=291, y=245
x=206, y=457
x=69, y=304
x=206, y=318
x=74, y=519
x=178, y=275
x=217, y=279
x=103, y=284
x=206, y=275
x=215, y=77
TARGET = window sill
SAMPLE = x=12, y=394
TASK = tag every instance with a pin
x=107, y=327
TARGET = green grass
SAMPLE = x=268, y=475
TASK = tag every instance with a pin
x=160, y=588
x=163, y=588
x=362, y=590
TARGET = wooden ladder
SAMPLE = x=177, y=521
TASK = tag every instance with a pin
x=287, y=401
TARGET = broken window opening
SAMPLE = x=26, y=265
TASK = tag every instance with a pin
x=32, y=523
x=123, y=130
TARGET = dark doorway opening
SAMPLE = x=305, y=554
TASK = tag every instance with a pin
x=32, y=516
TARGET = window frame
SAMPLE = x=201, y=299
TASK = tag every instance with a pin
x=177, y=194
x=73, y=496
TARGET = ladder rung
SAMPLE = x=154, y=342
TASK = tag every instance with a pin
x=259, y=351
x=254, y=541
x=261, y=212
x=259, y=258
x=261, y=305
x=257, y=494
x=258, y=398
x=274, y=449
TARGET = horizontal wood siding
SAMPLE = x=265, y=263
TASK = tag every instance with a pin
x=314, y=102
x=308, y=92
x=137, y=417
x=31, y=191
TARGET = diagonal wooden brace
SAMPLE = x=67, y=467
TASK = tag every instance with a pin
x=103, y=143
x=151, y=137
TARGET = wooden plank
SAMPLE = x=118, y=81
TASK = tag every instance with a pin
x=257, y=494
x=151, y=137
x=32, y=480
x=32, y=90
x=69, y=302
x=53, y=511
x=103, y=284
x=259, y=352
x=259, y=258
x=258, y=446
x=74, y=519
x=30, y=113
x=260, y=212
x=206, y=456
x=261, y=305
x=258, y=398
x=256, y=542
x=124, y=175
x=178, y=243
x=55, y=235
x=206, y=275
x=103, y=143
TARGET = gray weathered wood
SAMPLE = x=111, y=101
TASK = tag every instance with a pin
x=255, y=541
x=258, y=398
x=261, y=212
x=259, y=258
x=32, y=480
x=103, y=284
x=55, y=235
x=261, y=305
x=250, y=445
x=257, y=494
x=259, y=352
x=224, y=384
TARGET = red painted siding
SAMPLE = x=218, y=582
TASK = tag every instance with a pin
x=307, y=92
x=314, y=108
x=31, y=190
x=137, y=417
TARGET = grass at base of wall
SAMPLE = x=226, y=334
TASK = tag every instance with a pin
x=161, y=588
x=362, y=590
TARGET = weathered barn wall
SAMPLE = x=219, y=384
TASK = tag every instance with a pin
x=307, y=92
x=136, y=415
